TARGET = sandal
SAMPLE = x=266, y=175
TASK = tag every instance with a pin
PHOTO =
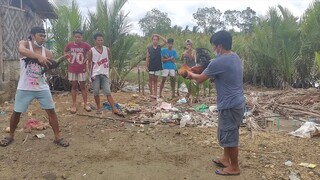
x=99, y=111
x=61, y=142
x=6, y=141
x=87, y=108
x=217, y=162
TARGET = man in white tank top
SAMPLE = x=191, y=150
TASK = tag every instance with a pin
x=99, y=59
x=32, y=85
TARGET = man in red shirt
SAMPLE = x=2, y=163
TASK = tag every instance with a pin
x=77, y=50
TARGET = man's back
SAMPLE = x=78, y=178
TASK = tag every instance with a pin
x=227, y=72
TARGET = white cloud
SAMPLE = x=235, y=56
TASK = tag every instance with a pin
x=180, y=11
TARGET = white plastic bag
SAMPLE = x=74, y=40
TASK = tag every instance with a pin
x=307, y=130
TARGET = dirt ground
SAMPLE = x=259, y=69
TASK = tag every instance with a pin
x=115, y=148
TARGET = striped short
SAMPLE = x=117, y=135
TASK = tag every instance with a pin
x=76, y=76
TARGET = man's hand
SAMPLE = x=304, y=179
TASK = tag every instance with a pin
x=189, y=75
x=44, y=61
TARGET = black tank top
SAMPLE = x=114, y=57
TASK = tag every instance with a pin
x=155, y=63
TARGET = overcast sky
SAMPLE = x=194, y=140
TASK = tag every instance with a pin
x=180, y=11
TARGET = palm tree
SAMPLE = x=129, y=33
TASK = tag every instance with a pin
x=310, y=24
x=70, y=19
x=275, y=47
x=112, y=22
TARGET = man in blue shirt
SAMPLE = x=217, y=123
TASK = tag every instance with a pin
x=168, y=58
x=226, y=69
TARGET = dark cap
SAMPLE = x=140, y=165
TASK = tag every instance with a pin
x=170, y=40
x=37, y=29
x=78, y=31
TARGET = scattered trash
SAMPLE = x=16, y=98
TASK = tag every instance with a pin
x=308, y=165
x=307, y=130
x=130, y=88
x=288, y=163
x=182, y=101
x=107, y=106
x=184, y=120
x=135, y=95
x=294, y=175
x=183, y=88
x=7, y=129
x=202, y=108
x=131, y=108
x=30, y=113
x=40, y=136
x=213, y=109
x=25, y=139
x=247, y=112
x=165, y=106
x=166, y=118
x=34, y=124
x=3, y=112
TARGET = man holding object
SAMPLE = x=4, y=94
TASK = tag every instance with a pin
x=227, y=71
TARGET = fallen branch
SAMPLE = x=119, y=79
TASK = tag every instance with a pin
x=112, y=118
x=261, y=152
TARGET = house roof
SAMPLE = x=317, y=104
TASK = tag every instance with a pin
x=43, y=8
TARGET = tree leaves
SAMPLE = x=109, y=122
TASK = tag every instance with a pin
x=155, y=21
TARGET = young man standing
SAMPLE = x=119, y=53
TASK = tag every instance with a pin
x=153, y=63
x=32, y=85
x=99, y=62
x=227, y=71
x=189, y=58
x=189, y=55
x=77, y=68
x=168, y=58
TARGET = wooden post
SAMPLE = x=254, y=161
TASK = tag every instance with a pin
x=139, y=80
x=143, y=83
x=210, y=87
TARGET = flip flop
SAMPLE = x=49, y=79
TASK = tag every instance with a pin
x=218, y=163
x=61, y=142
x=87, y=108
x=224, y=173
x=99, y=111
x=6, y=141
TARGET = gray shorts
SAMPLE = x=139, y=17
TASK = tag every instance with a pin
x=101, y=82
x=229, y=121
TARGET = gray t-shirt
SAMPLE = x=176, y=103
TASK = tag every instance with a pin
x=228, y=75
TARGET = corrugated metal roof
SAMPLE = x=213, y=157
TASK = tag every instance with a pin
x=43, y=8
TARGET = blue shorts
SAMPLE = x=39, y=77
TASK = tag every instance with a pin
x=101, y=81
x=24, y=98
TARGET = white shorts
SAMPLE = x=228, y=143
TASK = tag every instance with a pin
x=157, y=73
x=170, y=72
x=76, y=76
